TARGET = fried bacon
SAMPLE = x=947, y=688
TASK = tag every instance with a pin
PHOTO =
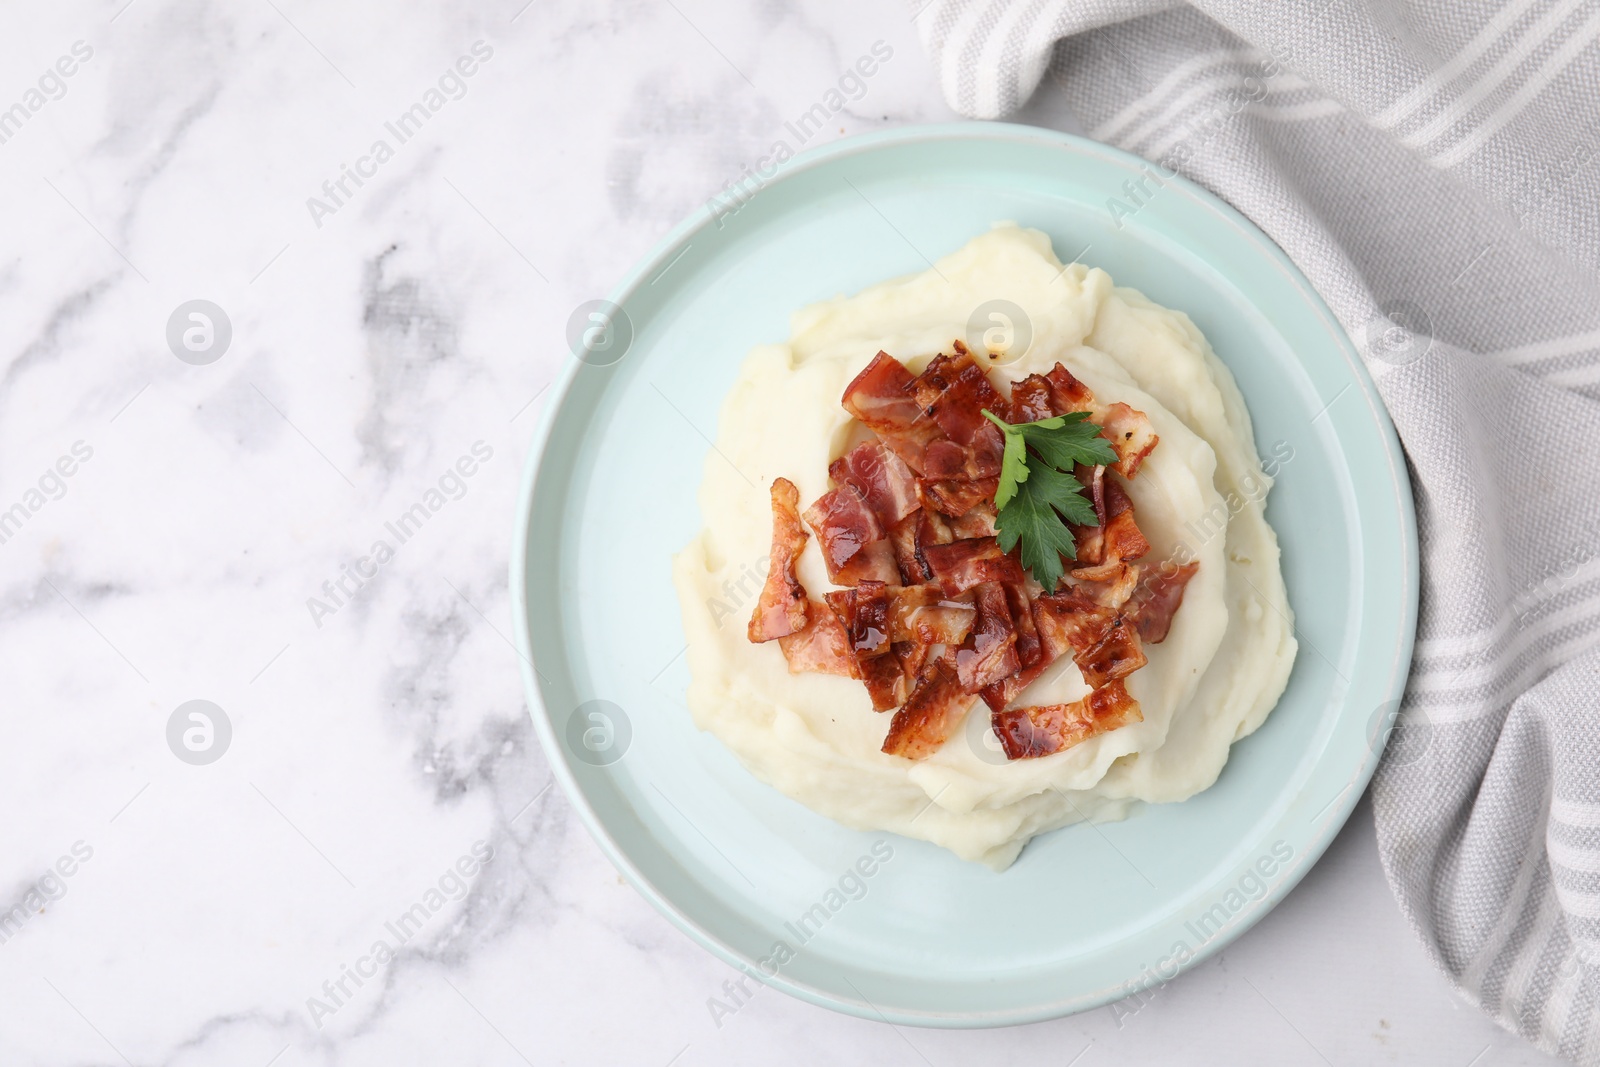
x=1158, y=598
x=920, y=620
x=822, y=647
x=1111, y=584
x=946, y=461
x=1030, y=650
x=903, y=539
x=1067, y=393
x=932, y=615
x=998, y=694
x=1090, y=542
x=879, y=398
x=912, y=657
x=954, y=392
x=880, y=478
x=852, y=538
x=1030, y=400
x=910, y=536
x=1122, y=537
x=1026, y=733
x=960, y=565
x=1066, y=624
x=1117, y=538
x=957, y=497
x=1115, y=655
x=978, y=521
x=864, y=613
x=1069, y=622
x=1130, y=434
x=1103, y=643
x=930, y=714
x=874, y=563
x=924, y=615
x=886, y=682
x=989, y=654
x=1094, y=480
x=782, y=608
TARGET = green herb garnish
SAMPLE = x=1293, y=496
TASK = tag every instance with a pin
x=1038, y=494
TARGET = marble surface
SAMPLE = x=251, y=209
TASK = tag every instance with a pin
x=203, y=528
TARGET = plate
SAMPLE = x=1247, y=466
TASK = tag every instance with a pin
x=870, y=923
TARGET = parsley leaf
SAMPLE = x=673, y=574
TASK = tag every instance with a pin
x=1068, y=439
x=1030, y=519
x=1038, y=495
x=1013, y=466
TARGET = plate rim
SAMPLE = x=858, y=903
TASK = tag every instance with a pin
x=664, y=252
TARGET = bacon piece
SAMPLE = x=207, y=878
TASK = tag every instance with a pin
x=1130, y=433
x=879, y=396
x=960, y=565
x=1043, y=396
x=881, y=478
x=903, y=539
x=913, y=534
x=843, y=524
x=1094, y=480
x=988, y=447
x=954, y=390
x=1026, y=733
x=989, y=653
x=933, y=530
x=1067, y=393
x=998, y=694
x=864, y=613
x=956, y=498
x=879, y=399
x=887, y=684
x=1122, y=536
x=822, y=646
x=782, y=608
x=924, y=615
x=852, y=539
x=1090, y=543
x=930, y=715
x=1158, y=598
x=874, y=563
x=1117, y=538
x=1111, y=584
x=945, y=460
x=1069, y=623
x=921, y=619
x=979, y=521
x=1116, y=654
x=1030, y=400
x=912, y=656
x=1030, y=650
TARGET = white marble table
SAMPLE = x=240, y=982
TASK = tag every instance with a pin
x=203, y=528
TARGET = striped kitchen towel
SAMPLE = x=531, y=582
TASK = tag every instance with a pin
x=1434, y=168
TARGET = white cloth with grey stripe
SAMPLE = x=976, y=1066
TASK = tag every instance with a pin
x=1432, y=167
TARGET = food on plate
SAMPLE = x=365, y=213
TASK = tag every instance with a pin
x=1006, y=582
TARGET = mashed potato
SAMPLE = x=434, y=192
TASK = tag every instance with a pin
x=1200, y=495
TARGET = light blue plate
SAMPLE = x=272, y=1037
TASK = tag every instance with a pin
x=1087, y=914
